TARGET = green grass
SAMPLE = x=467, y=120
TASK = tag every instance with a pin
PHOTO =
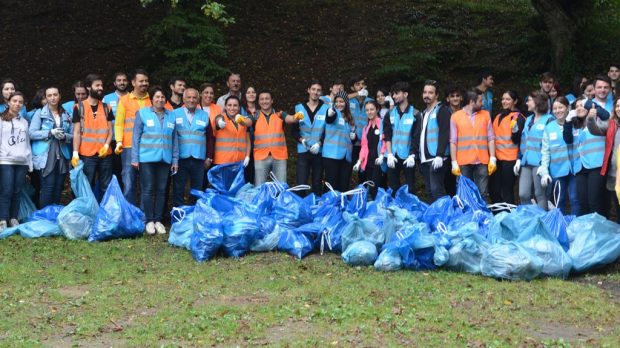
x=56, y=292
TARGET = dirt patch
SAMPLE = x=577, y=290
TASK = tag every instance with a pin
x=546, y=330
x=612, y=287
x=231, y=300
x=74, y=291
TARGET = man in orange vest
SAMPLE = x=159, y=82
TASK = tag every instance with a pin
x=472, y=142
x=270, y=153
x=92, y=134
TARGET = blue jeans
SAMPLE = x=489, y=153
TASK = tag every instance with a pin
x=98, y=168
x=130, y=177
x=263, y=167
x=153, y=179
x=52, y=186
x=12, y=180
x=568, y=186
x=192, y=170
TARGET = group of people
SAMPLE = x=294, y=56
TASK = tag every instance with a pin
x=557, y=148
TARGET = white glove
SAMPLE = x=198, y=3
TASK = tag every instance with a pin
x=571, y=115
x=221, y=124
x=363, y=92
x=352, y=135
x=391, y=161
x=58, y=133
x=356, y=167
x=246, y=161
x=331, y=112
x=410, y=161
x=546, y=180
x=517, y=167
x=314, y=149
x=379, y=160
x=437, y=162
x=303, y=142
x=539, y=171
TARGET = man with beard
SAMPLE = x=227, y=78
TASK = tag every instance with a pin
x=120, y=84
x=434, y=141
x=177, y=87
x=234, y=88
x=92, y=134
x=472, y=142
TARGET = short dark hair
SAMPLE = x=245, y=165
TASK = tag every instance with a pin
x=337, y=82
x=603, y=78
x=354, y=79
x=541, y=101
x=156, y=89
x=484, y=74
x=119, y=73
x=451, y=89
x=471, y=95
x=315, y=82
x=432, y=83
x=91, y=78
x=77, y=84
x=232, y=97
x=139, y=72
x=264, y=91
x=547, y=76
x=400, y=86
x=176, y=78
x=614, y=65
x=231, y=73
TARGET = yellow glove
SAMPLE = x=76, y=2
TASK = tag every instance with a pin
x=103, y=152
x=456, y=170
x=239, y=119
x=299, y=116
x=492, y=165
x=119, y=148
x=512, y=123
x=75, y=160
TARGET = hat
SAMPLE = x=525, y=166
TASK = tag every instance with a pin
x=343, y=95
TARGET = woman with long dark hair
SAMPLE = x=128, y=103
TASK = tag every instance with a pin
x=338, y=144
x=372, y=148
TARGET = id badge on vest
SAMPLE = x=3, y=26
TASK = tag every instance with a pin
x=170, y=125
x=540, y=127
x=320, y=117
x=150, y=123
x=408, y=121
x=179, y=120
x=201, y=123
x=341, y=121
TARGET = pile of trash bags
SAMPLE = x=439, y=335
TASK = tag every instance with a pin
x=395, y=231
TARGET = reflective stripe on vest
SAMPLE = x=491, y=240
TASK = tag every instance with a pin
x=230, y=143
x=432, y=133
x=95, y=131
x=531, y=139
x=472, y=144
x=269, y=137
x=505, y=149
x=312, y=132
x=401, y=131
x=156, y=140
x=192, y=137
x=337, y=143
x=591, y=149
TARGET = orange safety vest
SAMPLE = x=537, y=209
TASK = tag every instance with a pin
x=230, y=143
x=131, y=108
x=505, y=149
x=472, y=139
x=94, y=129
x=213, y=111
x=269, y=137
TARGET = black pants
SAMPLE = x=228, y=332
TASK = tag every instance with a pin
x=616, y=205
x=307, y=162
x=450, y=183
x=434, y=180
x=337, y=173
x=393, y=176
x=378, y=177
x=502, y=183
x=591, y=192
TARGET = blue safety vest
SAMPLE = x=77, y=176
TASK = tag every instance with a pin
x=560, y=153
x=22, y=113
x=337, y=144
x=571, y=98
x=311, y=131
x=591, y=149
x=360, y=118
x=156, y=139
x=609, y=104
x=68, y=106
x=112, y=100
x=401, y=131
x=432, y=133
x=487, y=101
x=531, y=139
x=192, y=137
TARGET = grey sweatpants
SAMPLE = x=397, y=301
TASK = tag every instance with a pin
x=528, y=180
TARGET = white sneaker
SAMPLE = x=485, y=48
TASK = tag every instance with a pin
x=2, y=225
x=13, y=222
x=159, y=227
x=150, y=228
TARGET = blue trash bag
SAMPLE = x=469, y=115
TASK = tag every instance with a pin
x=331, y=228
x=596, y=242
x=290, y=210
x=182, y=226
x=468, y=247
x=240, y=229
x=77, y=218
x=265, y=198
x=389, y=260
x=221, y=203
x=396, y=220
x=34, y=229
x=208, y=234
x=228, y=178
x=416, y=247
x=116, y=217
x=508, y=226
x=295, y=243
x=441, y=212
x=356, y=200
x=554, y=220
x=26, y=206
x=268, y=235
x=540, y=241
x=468, y=194
x=357, y=229
x=411, y=202
x=360, y=253
x=49, y=213
x=247, y=193
x=510, y=260
x=376, y=211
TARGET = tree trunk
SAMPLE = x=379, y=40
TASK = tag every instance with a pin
x=561, y=24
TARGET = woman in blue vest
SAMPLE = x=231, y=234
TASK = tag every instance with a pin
x=338, y=144
x=155, y=153
x=51, y=133
x=371, y=152
x=589, y=152
x=558, y=160
x=528, y=161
